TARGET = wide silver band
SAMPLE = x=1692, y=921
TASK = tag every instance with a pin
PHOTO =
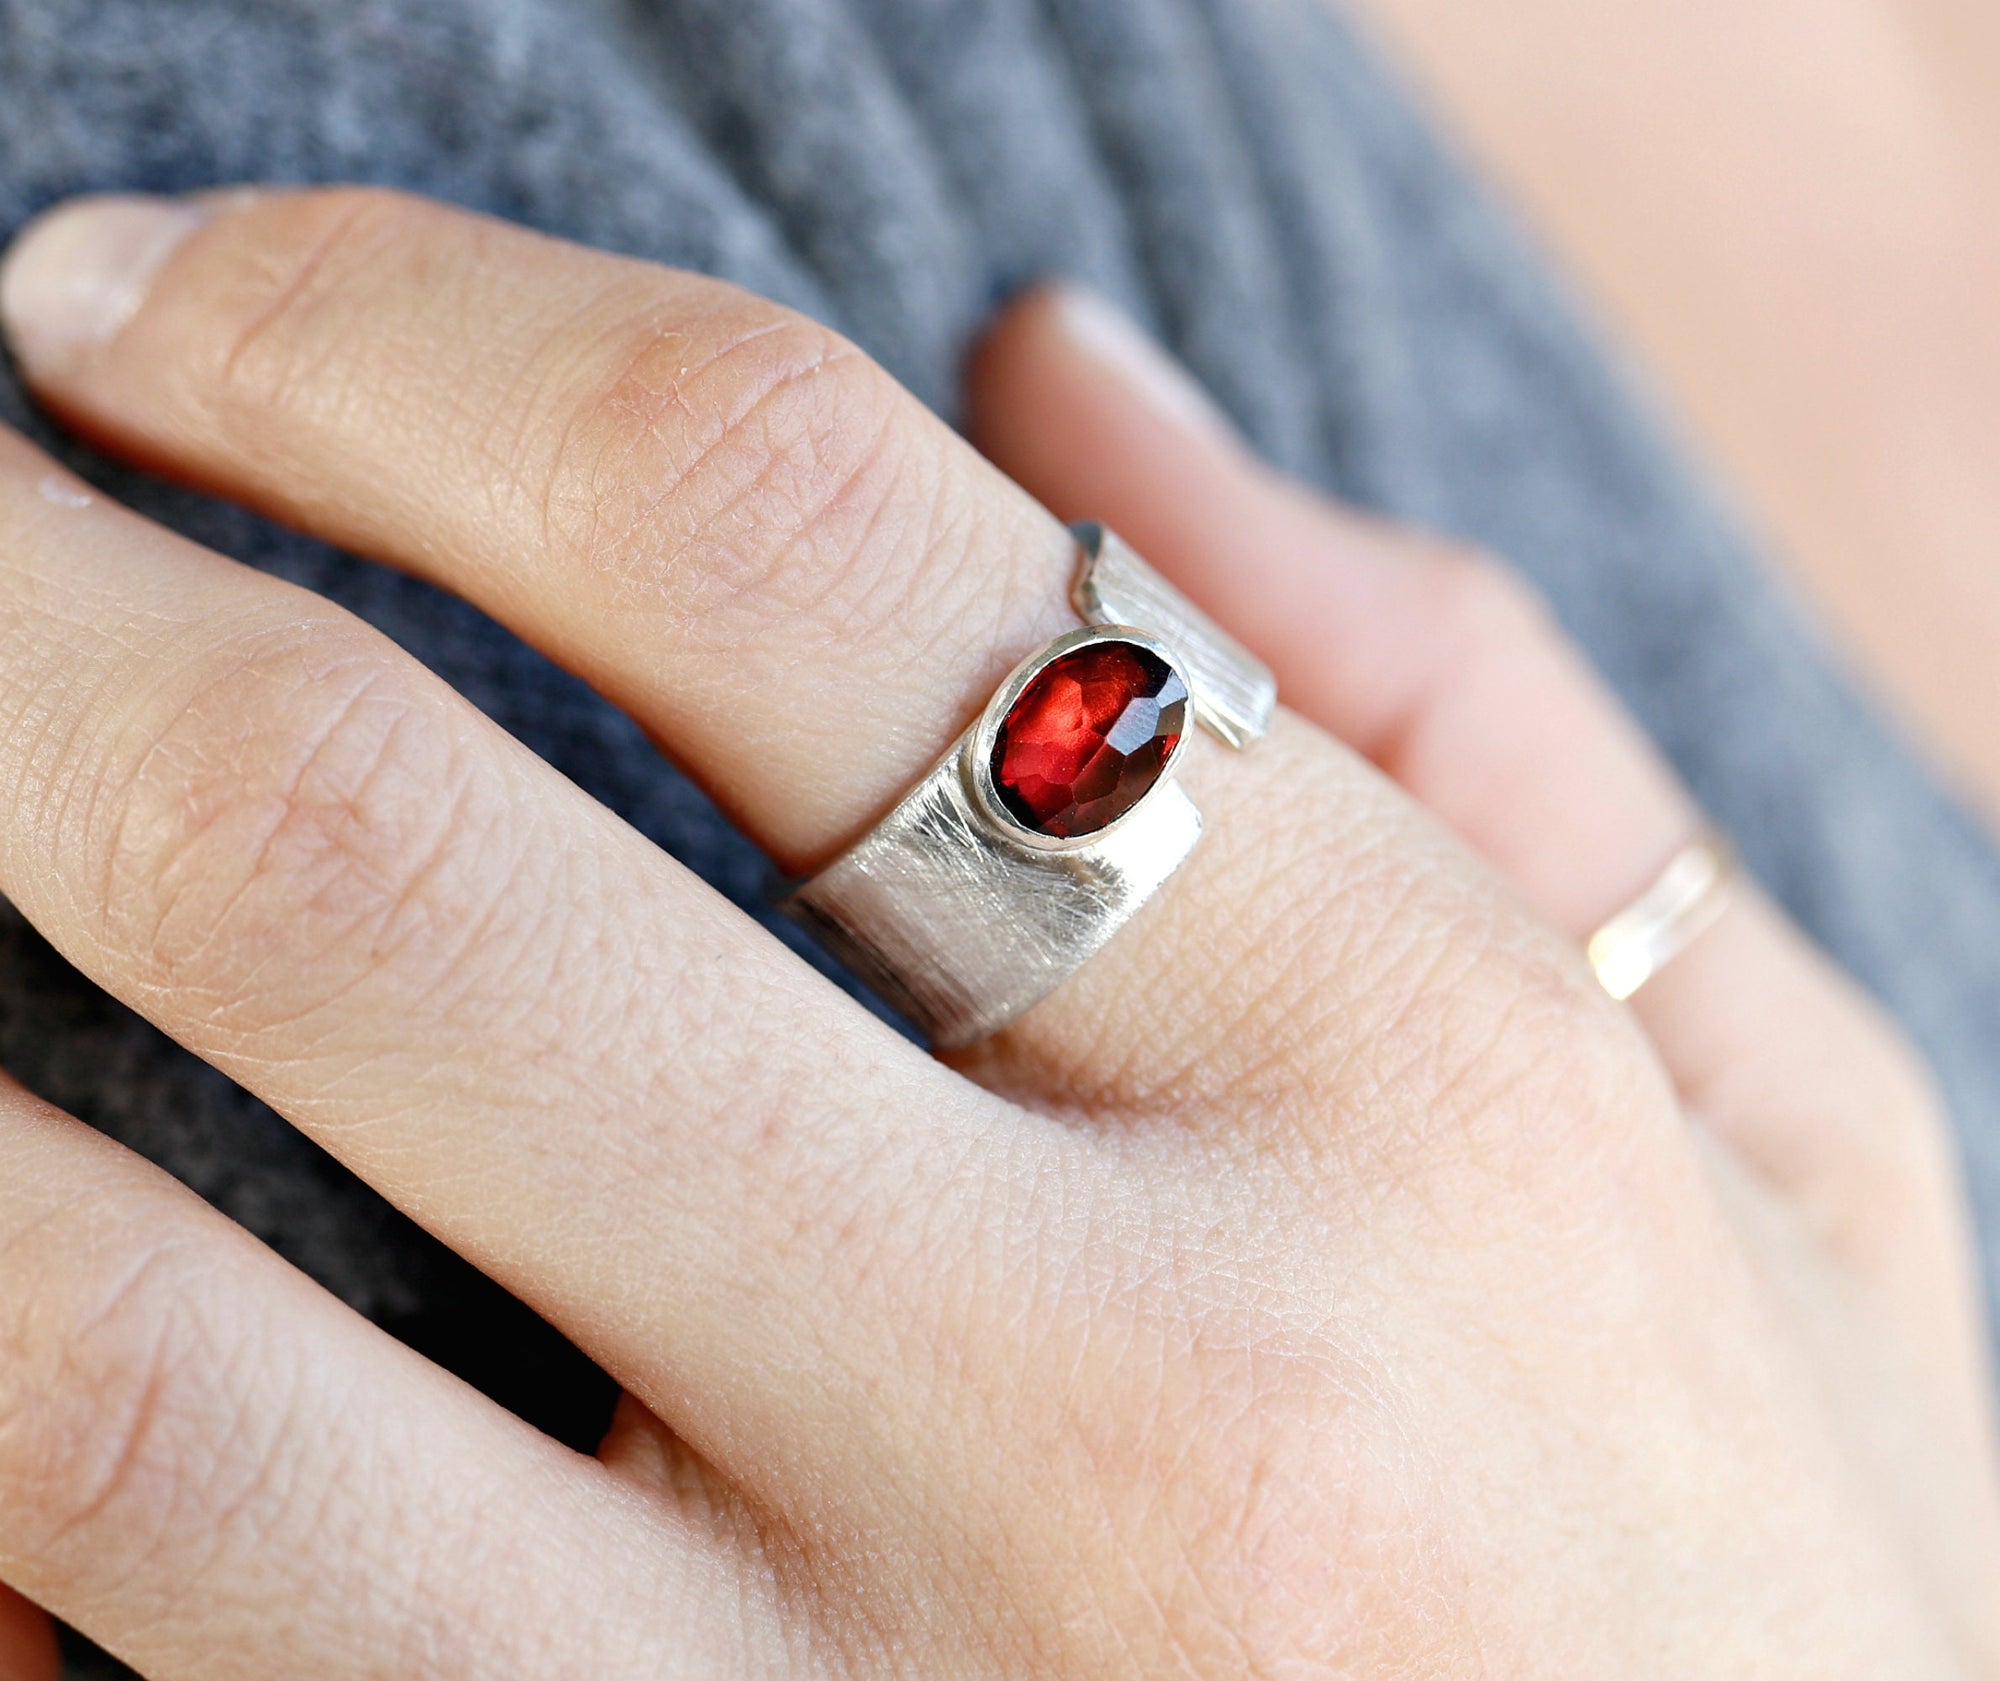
x=1683, y=902
x=960, y=916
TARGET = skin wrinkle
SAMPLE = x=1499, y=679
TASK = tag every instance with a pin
x=37, y=732
x=1104, y=1316
x=629, y=404
x=464, y=944
x=985, y=1544
x=438, y=1625
x=246, y=1518
x=926, y=1351
x=788, y=388
x=228, y=403
x=132, y=727
x=413, y=883
x=974, y=609
x=231, y=965
x=497, y=995
x=529, y=408
x=786, y=593
x=1242, y=1543
x=1234, y=1540
x=1289, y=949
x=1299, y=1028
x=1402, y=1016
x=1488, y=1077
x=1151, y=1489
x=362, y=227
x=124, y=1412
x=781, y=561
x=610, y=429
x=988, y=1546
x=1207, y=1544
x=876, y=378
x=86, y=744
x=186, y=852
x=753, y=1554
x=74, y=700
x=455, y=942
x=251, y=1450
x=339, y=1461
x=757, y=1159
x=537, y=965
x=890, y=490
x=31, y=1438
x=877, y=726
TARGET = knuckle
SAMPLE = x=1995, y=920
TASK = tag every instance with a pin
x=1537, y=1082
x=1483, y=604
x=1898, y=1084
x=108, y=1406
x=1493, y=1074
x=1200, y=1461
x=1476, y=1047
x=297, y=813
x=743, y=457
x=295, y=288
x=1889, y=1168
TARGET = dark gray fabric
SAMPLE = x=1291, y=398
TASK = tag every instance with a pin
x=1237, y=172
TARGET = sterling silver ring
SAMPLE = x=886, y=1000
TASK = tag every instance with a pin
x=1053, y=818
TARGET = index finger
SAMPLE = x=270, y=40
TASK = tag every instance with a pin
x=748, y=536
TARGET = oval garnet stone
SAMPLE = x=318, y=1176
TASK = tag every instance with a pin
x=1087, y=737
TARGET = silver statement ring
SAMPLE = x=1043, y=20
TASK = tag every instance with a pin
x=1053, y=818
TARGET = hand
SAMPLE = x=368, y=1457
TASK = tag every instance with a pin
x=1328, y=1280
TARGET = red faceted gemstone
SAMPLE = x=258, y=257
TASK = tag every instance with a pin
x=1087, y=737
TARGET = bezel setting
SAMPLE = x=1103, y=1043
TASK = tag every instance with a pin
x=976, y=755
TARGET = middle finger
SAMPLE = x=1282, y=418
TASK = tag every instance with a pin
x=298, y=852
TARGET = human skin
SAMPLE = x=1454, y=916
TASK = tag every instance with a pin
x=1327, y=1280
x=1791, y=212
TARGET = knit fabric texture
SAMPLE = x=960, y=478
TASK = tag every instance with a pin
x=1239, y=174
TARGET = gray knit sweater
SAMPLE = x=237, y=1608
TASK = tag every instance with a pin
x=1238, y=172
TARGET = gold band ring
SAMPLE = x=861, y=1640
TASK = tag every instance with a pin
x=1682, y=903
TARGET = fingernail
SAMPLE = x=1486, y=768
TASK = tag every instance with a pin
x=76, y=274
x=1108, y=336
